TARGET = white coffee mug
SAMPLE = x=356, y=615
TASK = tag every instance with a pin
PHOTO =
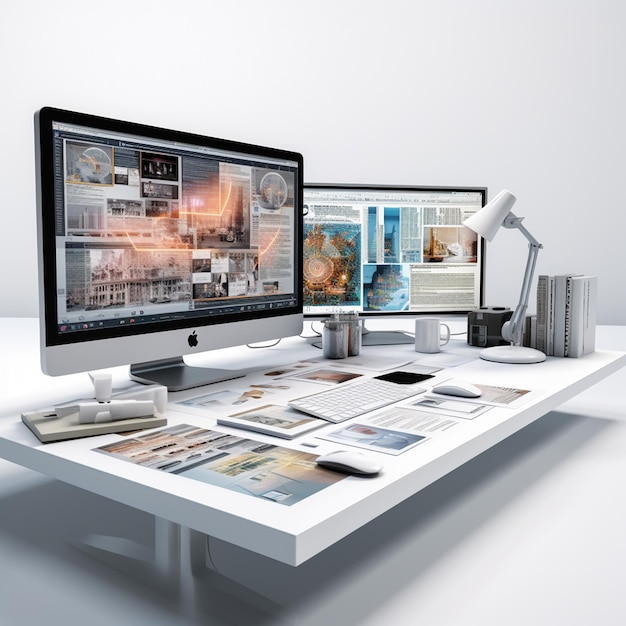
x=430, y=334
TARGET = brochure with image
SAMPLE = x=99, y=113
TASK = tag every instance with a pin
x=272, y=419
x=373, y=437
x=326, y=375
x=466, y=410
x=243, y=465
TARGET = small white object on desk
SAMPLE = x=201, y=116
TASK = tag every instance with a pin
x=351, y=462
x=458, y=388
x=133, y=409
x=134, y=403
x=99, y=412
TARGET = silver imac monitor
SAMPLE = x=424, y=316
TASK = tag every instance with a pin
x=387, y=251
x=155, y=244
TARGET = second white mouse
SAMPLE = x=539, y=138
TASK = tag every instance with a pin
x=351, y=462
x=458, y=388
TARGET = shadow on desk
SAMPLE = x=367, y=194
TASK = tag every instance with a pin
x=345, y=584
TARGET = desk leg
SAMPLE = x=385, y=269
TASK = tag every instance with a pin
x=202, y=586
x=177, y=565
x=157, y=566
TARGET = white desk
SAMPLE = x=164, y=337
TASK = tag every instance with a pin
x=288, y=534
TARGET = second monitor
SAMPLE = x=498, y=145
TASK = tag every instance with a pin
x=386, y=251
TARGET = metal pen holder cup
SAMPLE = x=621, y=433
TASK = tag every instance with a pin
x=341, y=336
x=335, y=339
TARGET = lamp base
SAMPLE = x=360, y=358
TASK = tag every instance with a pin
x=512, y=354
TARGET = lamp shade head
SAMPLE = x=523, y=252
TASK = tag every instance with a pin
x=488, y=220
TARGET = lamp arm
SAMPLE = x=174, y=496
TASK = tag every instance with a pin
x=512, y=221
x=513, y=330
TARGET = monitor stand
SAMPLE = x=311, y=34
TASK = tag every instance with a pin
x=176, y=375
x=384, y=337
x=379, y=337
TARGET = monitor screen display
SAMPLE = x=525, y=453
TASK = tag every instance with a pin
x=144, y=230
x=387, y=250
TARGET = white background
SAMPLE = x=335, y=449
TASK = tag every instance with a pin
x=527, y=96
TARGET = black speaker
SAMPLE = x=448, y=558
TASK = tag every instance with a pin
x=484, y=326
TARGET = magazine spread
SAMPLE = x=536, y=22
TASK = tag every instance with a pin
x=273, y=419
x=242, y=465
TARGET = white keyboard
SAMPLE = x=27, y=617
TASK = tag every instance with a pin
x=354, y=399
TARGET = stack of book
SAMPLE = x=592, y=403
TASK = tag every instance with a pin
x=565, y=324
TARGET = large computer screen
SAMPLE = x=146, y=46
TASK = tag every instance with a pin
x=389, y=250
x=156, y=243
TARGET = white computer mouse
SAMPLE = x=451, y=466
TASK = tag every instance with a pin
x=458, y=388
x=351, y=462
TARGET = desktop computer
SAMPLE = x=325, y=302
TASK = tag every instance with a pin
x=155, y=244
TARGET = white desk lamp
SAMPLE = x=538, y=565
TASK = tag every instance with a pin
x=486, y=223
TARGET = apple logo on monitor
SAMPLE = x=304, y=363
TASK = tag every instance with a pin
x=192, y=340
